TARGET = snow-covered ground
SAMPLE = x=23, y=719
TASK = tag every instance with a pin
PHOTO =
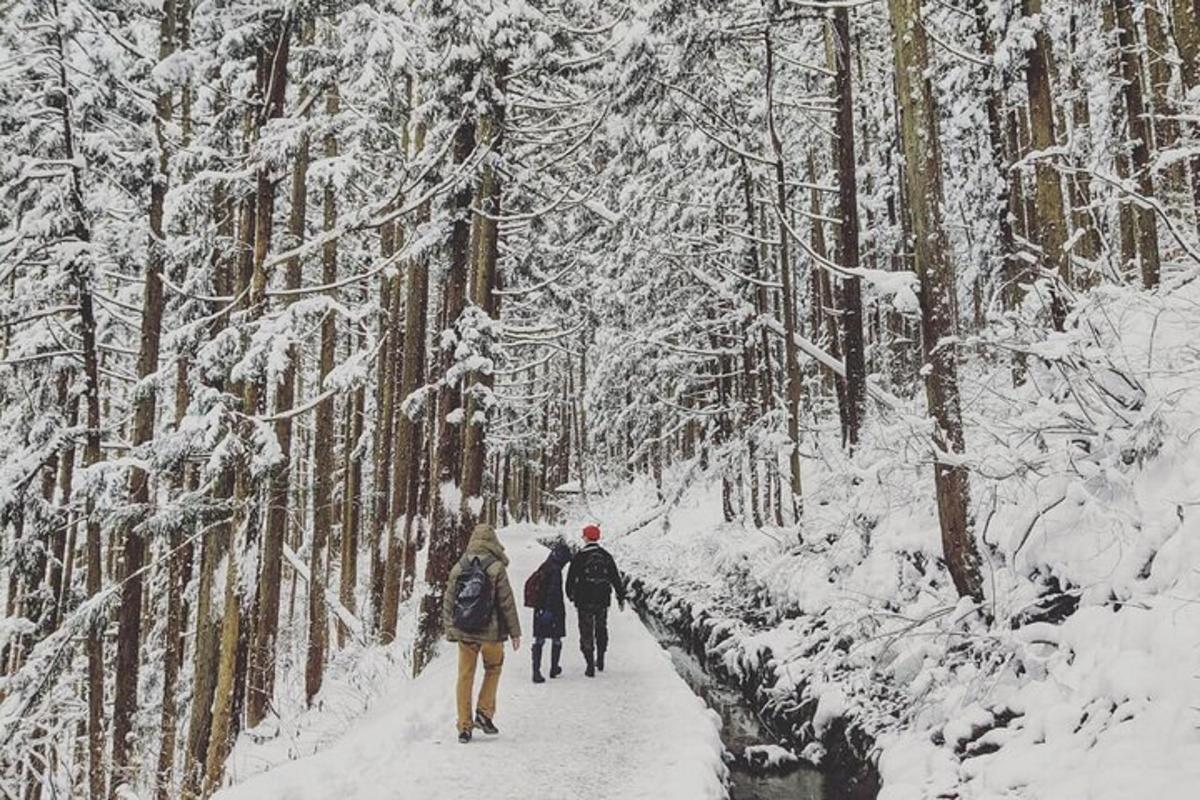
x=1078, y=678
x=635, y=732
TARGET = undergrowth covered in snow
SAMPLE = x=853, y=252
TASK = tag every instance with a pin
x=1077, y=677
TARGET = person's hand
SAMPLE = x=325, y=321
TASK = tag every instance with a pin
x=516, y=640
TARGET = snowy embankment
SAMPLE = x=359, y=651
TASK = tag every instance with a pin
x=635, y=732
x=1078, y=677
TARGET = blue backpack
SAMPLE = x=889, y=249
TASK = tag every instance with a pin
x=474, y=596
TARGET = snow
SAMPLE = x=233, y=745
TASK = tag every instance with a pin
x=1100, y=701
x=635, y=732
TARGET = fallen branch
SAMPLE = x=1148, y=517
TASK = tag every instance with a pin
x=344, y=615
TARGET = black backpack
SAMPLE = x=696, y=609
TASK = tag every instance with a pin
x=595, y=575
x=474, y=596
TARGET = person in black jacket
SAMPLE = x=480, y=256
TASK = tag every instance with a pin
x=550, y=612
x=591, y=582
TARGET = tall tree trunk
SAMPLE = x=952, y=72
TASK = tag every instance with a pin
x=389, y=327
x=1006, y=260
x=62, y=544
x=407, y=452
x=179, y=550
x=1158, y=73
x=1051, y=226
x=206, y=642
x=351, y=507
x=851, y=295
x=323, y=445
x=272, y=83
x=145, y=401
x=789, y=297
x=445, y=536
x=260, y=687
x=482, y=282
x=922, y=171
x=1139, y=131
x=82, y=278
x=1186, y=29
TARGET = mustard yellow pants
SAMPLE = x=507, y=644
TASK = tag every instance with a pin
x=468, y=657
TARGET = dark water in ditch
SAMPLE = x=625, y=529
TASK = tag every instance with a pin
x=741, y=727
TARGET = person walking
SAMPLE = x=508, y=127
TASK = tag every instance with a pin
x=480, y=614
x=591, y=581
x=544, y=594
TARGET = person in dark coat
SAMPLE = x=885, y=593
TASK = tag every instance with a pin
x=550, y=613
x=591, y=583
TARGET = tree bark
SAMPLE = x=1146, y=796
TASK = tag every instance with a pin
x=1051, y=226
x=1139, y=131
x=482, y=282
x=323, y=445
x=272, y=83
x=261, y=678
x=407, y=452
x=794, y=388
x=445, y=536
x=851, y=294
x=922, y=172
x=1186, y=30
x=145, y=402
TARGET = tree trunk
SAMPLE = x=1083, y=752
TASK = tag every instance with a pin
x=145, y=401
x=351, y=507
x=445, y=536
x=1158, y=72
x=82, y=279
x=922, y=171
x=323, y=446
x=389, y=326
x=1186, y=29
x=206, y=642
x=482, y=282
x=261, y=679
x=1051, y=226
x=1006, y=263
x=1139, y=131
x=851, y=295
x=407, y=452
x=789, y=298
x=272, y=83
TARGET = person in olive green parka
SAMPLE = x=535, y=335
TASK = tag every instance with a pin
x=488, y=642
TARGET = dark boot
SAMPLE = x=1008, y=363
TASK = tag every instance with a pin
x=600, y=660
x=484, y=723
x=591, y=665
x=555, y=656
x=536, y=650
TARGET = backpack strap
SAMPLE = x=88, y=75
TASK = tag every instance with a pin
x=484, y=561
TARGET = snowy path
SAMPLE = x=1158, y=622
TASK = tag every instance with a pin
x=634, y=732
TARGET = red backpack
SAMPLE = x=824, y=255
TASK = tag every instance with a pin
x=533, y=589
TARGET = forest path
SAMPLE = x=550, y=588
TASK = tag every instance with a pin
x=634, y=732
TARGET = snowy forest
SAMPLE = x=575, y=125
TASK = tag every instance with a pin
x=865, y=328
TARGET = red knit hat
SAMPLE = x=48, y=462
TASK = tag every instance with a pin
x=592, y=533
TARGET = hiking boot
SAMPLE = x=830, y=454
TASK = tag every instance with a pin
x=464, y=737
x=537, y=663
x=485, y=724
x=555, y=655
x=600, y=661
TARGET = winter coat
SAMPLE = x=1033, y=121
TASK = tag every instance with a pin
x=595, y=562
x=505, y=622
x=550, y=613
